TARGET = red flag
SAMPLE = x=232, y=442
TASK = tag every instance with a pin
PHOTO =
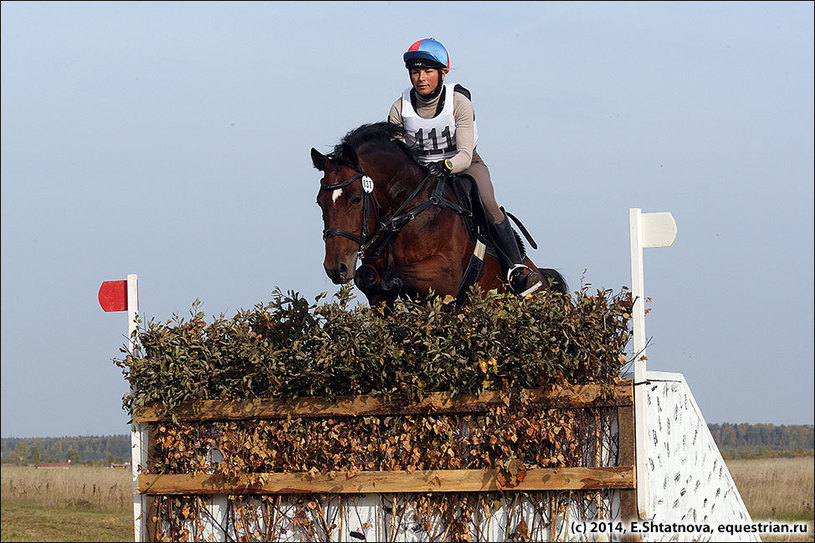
x=113, y=295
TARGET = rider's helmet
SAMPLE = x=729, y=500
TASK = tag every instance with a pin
x=427, y=53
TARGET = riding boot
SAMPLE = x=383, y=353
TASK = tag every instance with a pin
x=522, y=279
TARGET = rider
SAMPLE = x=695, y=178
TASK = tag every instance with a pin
x=439, y=124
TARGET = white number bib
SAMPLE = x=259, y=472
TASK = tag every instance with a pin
x=431, y=139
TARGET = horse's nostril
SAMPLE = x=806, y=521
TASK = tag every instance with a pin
x=343, y=269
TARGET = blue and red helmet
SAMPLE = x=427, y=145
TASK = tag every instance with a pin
x=427, y=53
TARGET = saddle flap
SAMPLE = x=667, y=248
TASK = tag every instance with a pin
x=468, y=196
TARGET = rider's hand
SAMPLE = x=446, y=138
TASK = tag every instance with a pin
x=440, y=167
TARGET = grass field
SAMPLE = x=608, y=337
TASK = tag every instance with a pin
x=776, y=488
x=95, y=504
x=76, y=504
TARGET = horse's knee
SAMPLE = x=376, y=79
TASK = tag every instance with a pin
x=366, y=278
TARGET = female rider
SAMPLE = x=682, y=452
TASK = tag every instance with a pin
x=439, y=124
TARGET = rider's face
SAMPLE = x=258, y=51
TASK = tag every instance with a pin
x=425, y=80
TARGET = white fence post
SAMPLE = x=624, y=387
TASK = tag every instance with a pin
x=138, y=431
x=645, y=230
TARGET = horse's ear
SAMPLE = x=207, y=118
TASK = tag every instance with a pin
x=349, y=155
x=320, y=160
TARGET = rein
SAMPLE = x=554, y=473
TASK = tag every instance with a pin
x=387, y=230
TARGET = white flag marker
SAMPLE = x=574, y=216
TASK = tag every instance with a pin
x=645, y=230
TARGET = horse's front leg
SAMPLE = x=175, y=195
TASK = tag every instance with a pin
x=416, y=279
x=367, y=280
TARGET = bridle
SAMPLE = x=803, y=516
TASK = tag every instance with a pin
x=367, y=196
x=387, y=230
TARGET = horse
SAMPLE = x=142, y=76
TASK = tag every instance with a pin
x=407, y=223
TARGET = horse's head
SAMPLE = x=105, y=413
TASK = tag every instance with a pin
x=344, y=202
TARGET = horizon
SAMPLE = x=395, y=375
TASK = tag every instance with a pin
x=127, y=435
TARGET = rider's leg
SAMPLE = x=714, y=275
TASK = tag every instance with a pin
x=522, y=279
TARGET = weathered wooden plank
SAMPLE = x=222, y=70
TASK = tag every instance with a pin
x=627, y=456
x=386, y=482
x=577, y=396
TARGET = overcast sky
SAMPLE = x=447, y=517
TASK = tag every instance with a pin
x=171, y=140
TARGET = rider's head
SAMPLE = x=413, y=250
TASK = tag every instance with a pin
x=427, y=62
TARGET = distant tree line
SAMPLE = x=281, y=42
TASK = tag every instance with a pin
x=733, y=440
x=100, y=450
x=742, y=440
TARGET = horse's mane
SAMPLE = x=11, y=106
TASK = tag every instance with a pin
x=381, y=135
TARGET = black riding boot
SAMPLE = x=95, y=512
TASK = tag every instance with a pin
x=522, y=279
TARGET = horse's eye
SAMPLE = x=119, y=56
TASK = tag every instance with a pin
x=356, y=199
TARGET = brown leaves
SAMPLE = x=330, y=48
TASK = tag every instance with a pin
x=523, y=529
x=490, y=439
x=511, y=474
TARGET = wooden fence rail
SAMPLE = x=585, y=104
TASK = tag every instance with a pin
x=454, y=480
x=578, y=396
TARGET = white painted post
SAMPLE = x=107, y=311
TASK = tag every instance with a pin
x=645, y=230
x=132, y=310
x=138, y=432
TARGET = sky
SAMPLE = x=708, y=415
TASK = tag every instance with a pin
x=171, y=140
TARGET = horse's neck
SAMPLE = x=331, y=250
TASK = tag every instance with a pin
x=404, y=182
x=395, y=177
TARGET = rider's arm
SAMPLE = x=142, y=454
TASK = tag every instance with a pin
x=465, y=132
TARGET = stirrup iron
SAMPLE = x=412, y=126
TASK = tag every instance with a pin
x=528, y=291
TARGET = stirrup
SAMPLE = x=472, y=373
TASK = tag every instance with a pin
x=517, y=267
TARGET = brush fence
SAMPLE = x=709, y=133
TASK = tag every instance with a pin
x=689, y=482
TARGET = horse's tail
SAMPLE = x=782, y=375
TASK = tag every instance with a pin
x=554, y=280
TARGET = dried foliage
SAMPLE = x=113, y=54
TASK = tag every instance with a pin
x=291, y=348
x=503, y=438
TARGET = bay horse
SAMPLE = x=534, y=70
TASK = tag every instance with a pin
x=409, y=225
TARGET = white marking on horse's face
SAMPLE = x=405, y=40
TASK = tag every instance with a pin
x=336, y=194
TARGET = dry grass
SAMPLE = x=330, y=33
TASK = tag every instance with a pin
x=97, y=488
x=778, y=489
x=775, y=487
x=75, y=504
x=26, y=522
